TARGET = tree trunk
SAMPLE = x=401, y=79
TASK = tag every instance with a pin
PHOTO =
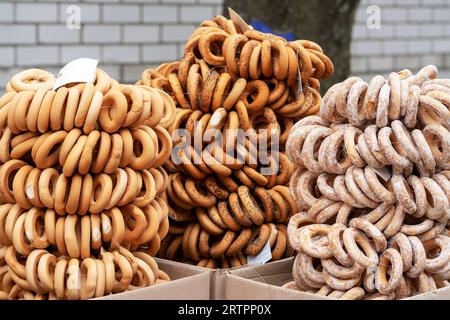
x=326, y=22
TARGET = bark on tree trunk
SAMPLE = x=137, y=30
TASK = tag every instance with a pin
x=327, y=22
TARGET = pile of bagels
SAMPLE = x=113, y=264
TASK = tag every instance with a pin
x=372, y=183
x=82, y=211
x=223, y=207
x=221, y=157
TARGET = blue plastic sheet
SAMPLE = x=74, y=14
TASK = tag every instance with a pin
x=260, y=26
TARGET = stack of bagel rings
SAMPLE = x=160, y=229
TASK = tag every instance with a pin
x=223, y=66
x=82, y=191
x=223, y=205
x=372, y=181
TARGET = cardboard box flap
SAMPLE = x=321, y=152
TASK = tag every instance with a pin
x=440, y=294
x=188, y=283
x=275, y=273
x=195, y=287
x=265, y=283
x=218, y=277
x=237, y=288
x=177, y=270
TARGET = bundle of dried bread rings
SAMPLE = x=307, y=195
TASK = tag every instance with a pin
x=222, y=67
x=82, y=186
x=372, y=180
x=255, y=55
x=43, y=275
x=223, y=205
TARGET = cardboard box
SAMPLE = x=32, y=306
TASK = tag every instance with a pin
x=216, y=276
x=264, y=283
x=219, y=276
x=188, y=283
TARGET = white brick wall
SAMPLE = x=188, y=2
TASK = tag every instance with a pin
x=39, y=12
x=413, y=33
x=101, y=33
x=158, y=13
x=17, y=34
x=7, y=54
x=125, y=35
x=89, y=12
x=50, y=33
x=6, y=12
x=121, y=13
x=196, y=14
x=37, y=55
x=128, y=35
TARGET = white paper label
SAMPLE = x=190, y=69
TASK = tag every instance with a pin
x=239, y=21
x=106, y=227
x=299, y=92
x=96, y=235
x=29, y=235
x=261, y=258
x=29, y=191
x=384, y=173
x=73, y=280
x=78, y=70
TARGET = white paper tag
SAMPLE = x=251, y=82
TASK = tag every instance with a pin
x=78, y=70
x=299, y=92
x=384, y=173
x=237, y=19
x=261, y=258
x=29, y=191
x=29, y=235
x=106, y=227
x=96, y=235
